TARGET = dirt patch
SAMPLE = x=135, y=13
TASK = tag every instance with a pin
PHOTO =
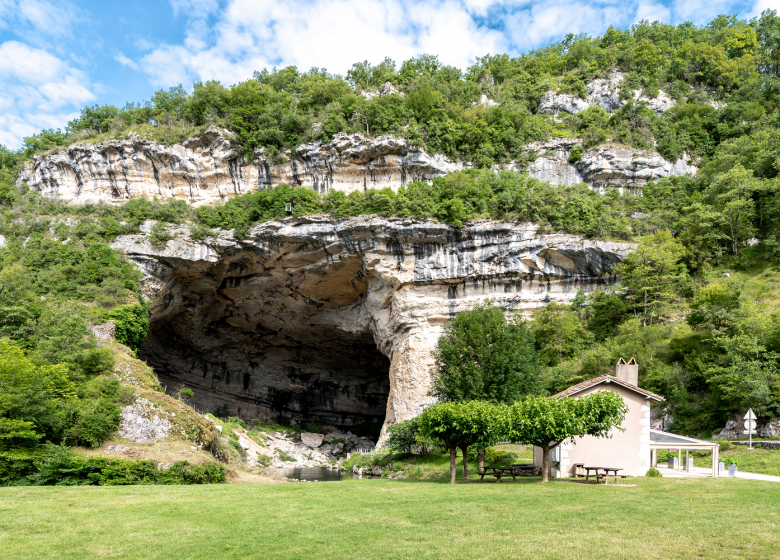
x=243, y=477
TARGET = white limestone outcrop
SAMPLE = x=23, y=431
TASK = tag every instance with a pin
x=604, y=93
x=210, y=168
x=603, y=167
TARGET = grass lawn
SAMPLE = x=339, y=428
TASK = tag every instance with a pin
x=372, y=519
x=762, y=461
x=757, y=460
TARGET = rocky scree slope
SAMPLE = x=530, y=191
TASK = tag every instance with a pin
x=311, y=318
x=211, y=168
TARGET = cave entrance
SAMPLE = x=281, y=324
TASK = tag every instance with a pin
x=317, y=374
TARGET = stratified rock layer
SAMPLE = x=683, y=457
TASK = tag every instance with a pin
x=210, y=168
x=603, y=167
x=336, y=320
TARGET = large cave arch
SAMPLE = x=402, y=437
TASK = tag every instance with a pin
x=313, y=319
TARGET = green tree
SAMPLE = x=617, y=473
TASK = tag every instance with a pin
x=651, y=271
x=482, y=356
x=458, y=425
x=546, y=422
x=732, y=195
x=31, y=397
x=559, y=333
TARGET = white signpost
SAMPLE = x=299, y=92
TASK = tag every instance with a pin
x=750, y=426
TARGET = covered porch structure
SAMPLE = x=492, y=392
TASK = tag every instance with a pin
x=665, y=440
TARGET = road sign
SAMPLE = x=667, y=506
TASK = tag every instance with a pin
x=750, y=426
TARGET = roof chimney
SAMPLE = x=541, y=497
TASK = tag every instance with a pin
x=627, y=371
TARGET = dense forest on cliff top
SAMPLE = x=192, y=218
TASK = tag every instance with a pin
x=710, y=343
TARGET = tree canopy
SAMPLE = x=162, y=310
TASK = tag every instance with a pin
x=546, y=422
x=482, y=356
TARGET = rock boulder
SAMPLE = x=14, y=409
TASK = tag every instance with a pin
x=311, y=440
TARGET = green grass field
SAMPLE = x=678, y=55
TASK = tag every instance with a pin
x=373, y=519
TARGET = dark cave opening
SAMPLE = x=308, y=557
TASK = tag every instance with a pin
x=318, y=374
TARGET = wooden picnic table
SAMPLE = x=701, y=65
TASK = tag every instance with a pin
x=513, y=471
x=498, y=472
x=605, y=476
x=526, y=468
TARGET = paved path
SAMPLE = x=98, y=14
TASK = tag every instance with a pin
x=754, y=476
x=700, y=472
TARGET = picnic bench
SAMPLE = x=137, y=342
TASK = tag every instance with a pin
x=512, y=470
x=598, y=475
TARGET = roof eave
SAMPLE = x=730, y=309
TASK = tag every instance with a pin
x=647, y=395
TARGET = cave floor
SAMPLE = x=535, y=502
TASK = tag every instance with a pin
x=380, y=518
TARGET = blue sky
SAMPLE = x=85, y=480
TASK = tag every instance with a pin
x=57, y=56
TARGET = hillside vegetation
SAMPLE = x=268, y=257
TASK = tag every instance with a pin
x=708, y=341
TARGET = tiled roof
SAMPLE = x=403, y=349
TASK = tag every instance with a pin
x=579, y=387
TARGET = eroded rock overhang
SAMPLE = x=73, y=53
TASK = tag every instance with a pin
x=311, y=318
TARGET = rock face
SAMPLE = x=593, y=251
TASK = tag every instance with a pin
x=335, y=320
x=604, y=93
x=734, y=429
x=144, y=422
x=210, y=168
x=603, y=167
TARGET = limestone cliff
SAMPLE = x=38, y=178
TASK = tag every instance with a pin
x=604, y=167
x=211, y=168
x=604, y=93
x=336, y=320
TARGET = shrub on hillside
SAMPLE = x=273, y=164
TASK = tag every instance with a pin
x=59, y=466
x=132, y=325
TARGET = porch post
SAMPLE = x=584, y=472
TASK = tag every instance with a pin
x=715, y=462
x=679, y=458
x=687, y=461
x=654, y=458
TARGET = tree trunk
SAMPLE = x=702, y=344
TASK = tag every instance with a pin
x=453, y=455
x=644, y=323
x=465, y=451
x=546, y=463
x=481, y=460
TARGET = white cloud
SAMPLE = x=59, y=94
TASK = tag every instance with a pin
x=37, y=90
x=37, y=21
x=652, y=11
x=702, y=11
x=762, y=5
x=250, y=35
x=124, y=61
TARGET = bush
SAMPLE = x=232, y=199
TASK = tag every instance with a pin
x=183, y=472
x=237, y=421
x=652, y=472
x=500, y=458
x=132, y=325
x=237, y=447
x=95, y=421
x=263, y=460
x=59, y=466
x=402, y=437
x=160, y=235
x=284, y=456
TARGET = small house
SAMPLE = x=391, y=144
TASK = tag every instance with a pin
x=629, y=450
